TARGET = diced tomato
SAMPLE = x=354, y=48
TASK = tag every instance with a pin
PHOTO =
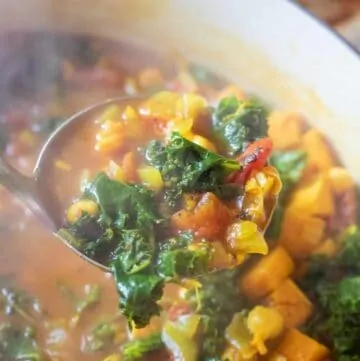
x=255, y=157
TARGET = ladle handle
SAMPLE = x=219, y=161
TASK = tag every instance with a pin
x=25, y=189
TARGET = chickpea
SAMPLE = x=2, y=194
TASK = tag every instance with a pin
x=264, y=323
x=77, y=209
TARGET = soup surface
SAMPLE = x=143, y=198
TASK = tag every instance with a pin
x=298, y=302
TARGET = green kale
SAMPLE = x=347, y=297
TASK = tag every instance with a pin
x=18, y=344
x=102, y=335
x=176, y=259
x=139, y=293
x=137, y=349
x=341, y=316
x=135, y=250
x=290, y=165
x=215, y=309
x=238, y=122
x=334, y=286
x=91, y=235
x=123, y=205
x=348, y=259
x=188, y=167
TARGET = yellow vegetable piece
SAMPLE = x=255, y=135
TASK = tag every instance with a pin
x=116, y=172
x=265, y=324
x=266, y=275
x=243, y=237
x=111, y=113
x=162, y=105
x=180, y=125
x=318, y=151
x=295, y=346
x=110, y=138
x=190, y=105
x=203, y=142
x=285, y=129
x=301, y=233
x=60, y=164
x=340, y=180
x=238, y=335
x=150, y=177
x=77, y=209
x=129, y=114
x=181, y=346
x=314, y=197
x=293, y=305
x=189, y=324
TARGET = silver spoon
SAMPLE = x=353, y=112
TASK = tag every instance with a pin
x=37, y=193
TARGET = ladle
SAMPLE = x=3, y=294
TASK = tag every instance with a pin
x=36, y=192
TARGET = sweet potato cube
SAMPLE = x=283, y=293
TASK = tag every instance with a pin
x=314, y=197
x=285, y=129
x=318, y=151
x=267, y=274
x=301, y=233
x=291, y=303
x=296, y=346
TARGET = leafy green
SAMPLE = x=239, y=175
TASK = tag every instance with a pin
x=238, y=122
x=137, y=349
x=215, y=309
x=123, y=205
x=188, y=167
x=18, y=344
x=102, y=335
x=135, y=251
x=176, y=260
x=139, y=293
x=290, y=165
x=334, y=286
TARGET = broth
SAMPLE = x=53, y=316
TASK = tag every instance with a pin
x=47, y=77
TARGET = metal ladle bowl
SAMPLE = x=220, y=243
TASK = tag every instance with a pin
x=35, y=192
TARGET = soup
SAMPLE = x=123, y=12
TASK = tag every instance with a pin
x=295, y=303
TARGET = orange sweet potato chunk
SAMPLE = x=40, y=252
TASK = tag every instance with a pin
x=291, y=303
x=209, y=218
x=296, y=346
x=301, y=233
x=266, y=275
